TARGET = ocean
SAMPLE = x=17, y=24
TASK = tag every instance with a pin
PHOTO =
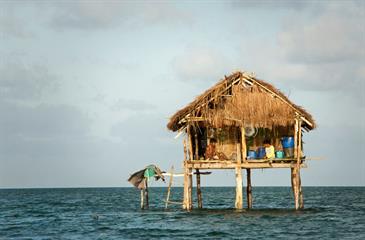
x=114, y=213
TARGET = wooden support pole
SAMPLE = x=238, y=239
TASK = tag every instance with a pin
x=186, y=180
x=249, y=189
x=186, y=188
x=299, y=159
x=299, y=140
x=169, y=187
x=243, y=144
x=142, y=198
x=190, y=143
x=146, y=194
x=295, y=138
x=301, y=200
x=190, y=186
x=239, y=197
x=198, y=190
x=196, y=146
x=295, y=187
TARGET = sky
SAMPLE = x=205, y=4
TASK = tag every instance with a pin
x=87, y=87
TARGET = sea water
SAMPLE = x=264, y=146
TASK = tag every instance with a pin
x=114, y=213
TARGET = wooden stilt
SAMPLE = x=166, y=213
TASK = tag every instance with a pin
x=196, y=146
x=238, y=202
x=169, y=187
x=294, y=181
x=146, y=194
x=186, y=179
x=142, y=198
x=299, y=159
x=198, y=190
x=301, y=200
x=190, y=192
x=243, y=144
x=295, y=138
x=190, y=144
x=249, y=189
x=186, y=188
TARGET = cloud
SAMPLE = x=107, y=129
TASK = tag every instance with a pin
x=132, y=104
x=201, y=64
x=43, y=121
x=22, y=82
x=13, y=24
x=272, y=4
x=93, y=15
x=325, y=52
x=141, y=126
x=335, y=36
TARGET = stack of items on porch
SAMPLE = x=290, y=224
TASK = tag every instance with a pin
x=284, y=150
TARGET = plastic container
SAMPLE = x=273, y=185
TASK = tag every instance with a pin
x=279, y=154
x=287, y=142
x=289, y=152
x=261, y=153
x=251, y=154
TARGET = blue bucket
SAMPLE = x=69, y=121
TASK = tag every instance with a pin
x=251, y=154
x=261, y=153
x=287, y=142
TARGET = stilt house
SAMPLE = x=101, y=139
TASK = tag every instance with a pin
x=239, y=114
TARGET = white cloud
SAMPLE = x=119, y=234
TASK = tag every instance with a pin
x=335, y=36
x=23, y=82
x=200, y=64
x=132, y=104
x=92, y=15
x=325, y=52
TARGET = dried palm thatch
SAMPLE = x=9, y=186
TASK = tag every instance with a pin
x=241, y=100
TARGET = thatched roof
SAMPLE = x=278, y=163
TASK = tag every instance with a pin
x=240, y=100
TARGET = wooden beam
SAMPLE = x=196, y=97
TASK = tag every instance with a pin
x=233, y=165
x=249, y=189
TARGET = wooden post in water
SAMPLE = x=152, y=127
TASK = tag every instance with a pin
x=249, y=189
x=169, y=187
x=238, y=202
x=186, y=179
x=198, y=190
x=146, y=194
x=294, y=182
x=190, y=205
x=295, y=169
x=299, y=161
x=142, y=198
x=189, y=171
x=301, y=200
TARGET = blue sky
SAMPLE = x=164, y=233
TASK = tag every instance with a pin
x=87, y=87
